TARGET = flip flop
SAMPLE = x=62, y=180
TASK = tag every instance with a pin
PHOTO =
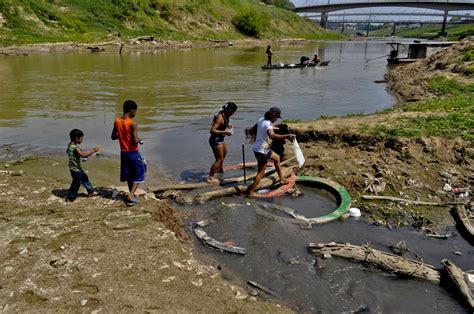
x=130, y=203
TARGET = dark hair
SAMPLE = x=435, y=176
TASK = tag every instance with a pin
x=268, y=115
x=274, y=112
x=268, y=48
x=75, y=134
x=229, y=107
x=129, y=105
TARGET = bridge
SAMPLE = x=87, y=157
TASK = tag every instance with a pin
x=324, y=7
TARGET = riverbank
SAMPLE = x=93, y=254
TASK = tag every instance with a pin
x=415, y=151
x=91, y=22
x=140, y=45
x=97, y=254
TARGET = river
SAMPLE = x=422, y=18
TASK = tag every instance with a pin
x=44, y=96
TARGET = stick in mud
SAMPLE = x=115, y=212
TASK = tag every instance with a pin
x=264, y=289
x=403, y=200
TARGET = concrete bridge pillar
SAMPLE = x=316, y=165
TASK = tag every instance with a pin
x=443, y=28
x=324, y=20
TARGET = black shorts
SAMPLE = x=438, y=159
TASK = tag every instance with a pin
x=263, y=158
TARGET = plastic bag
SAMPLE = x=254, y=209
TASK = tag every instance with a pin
x=298, y=153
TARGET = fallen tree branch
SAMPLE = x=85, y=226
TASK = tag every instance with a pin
x=403, y=200
x=390, y=262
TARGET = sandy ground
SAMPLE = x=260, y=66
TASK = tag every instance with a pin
x=97, y=254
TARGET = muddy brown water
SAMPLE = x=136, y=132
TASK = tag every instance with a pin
x=44, y=96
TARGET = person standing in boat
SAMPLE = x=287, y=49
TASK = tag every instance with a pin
x=262, y=150
x=219, y=130
x=269, y=53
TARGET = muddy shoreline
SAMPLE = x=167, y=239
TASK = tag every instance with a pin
x=140, y=45
x=97, y=254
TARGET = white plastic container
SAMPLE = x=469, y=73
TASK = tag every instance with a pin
x=354, y=212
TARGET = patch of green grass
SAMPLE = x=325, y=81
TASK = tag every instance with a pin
x=451, y=117
x=459, y=102
x=388, y=110
x=469, y=54
x=354, y=115
x=444, y=86
x=468, y=71
x=288, y=121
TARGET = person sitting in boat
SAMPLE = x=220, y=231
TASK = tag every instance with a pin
x=316, y=59
x=304, y=60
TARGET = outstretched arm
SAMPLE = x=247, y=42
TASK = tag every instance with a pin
x=82, y=154
x=275, y=136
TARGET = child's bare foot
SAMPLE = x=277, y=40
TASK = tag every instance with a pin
x=212, y=180
x=92, y=194
x=284, y=181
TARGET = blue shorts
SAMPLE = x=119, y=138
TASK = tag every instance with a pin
x=215, y=141
x=132, y=167
x=263, y=158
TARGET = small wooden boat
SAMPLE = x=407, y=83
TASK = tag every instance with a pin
x=295, y=65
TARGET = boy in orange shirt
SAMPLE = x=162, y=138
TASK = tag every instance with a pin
x=132, y=166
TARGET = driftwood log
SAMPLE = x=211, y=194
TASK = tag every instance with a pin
x=464, y=222
x=390, y=262
x=213, y=243
x=455, y=279
x=403, y=200
x=264, y=183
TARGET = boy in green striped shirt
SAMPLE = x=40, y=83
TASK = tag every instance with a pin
x=75, y=154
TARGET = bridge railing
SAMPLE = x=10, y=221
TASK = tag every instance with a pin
x=313, y=3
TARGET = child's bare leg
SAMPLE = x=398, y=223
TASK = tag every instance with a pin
x=276, y=161
x=256, y=181
x=133, y=188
